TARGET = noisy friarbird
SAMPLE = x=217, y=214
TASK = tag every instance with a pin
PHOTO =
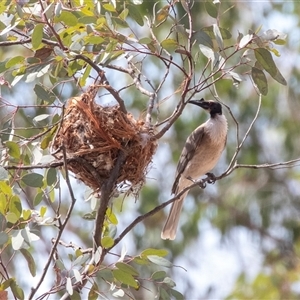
x=200, y=154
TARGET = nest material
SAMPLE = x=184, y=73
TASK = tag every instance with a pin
x=96, y=134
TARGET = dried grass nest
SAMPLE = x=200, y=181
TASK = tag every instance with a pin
x=96, y=134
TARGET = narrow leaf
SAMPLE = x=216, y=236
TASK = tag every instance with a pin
x=218, y=36
x=42, y=93
x=30, y=261
x=69, y=286
x=211, y=9
x=37, y=36
x=260, y=80
x=14, y=61
x=77, y=275
x=265, y=59
x=157, y=252
x=17, y=291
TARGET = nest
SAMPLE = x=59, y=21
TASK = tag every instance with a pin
x=95, y=134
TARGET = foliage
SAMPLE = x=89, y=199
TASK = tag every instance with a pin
x=143, y=56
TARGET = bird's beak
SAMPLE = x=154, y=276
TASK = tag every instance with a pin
x=202, y=103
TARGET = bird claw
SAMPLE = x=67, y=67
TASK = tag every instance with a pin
x=211, y=178
x=201, y=184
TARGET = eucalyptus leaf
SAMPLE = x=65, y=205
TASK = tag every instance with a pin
x=260, y=80
x=33, y=179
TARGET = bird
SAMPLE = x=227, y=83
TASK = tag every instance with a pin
x=199, y=156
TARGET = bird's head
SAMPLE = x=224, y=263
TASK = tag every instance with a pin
x=211, y=106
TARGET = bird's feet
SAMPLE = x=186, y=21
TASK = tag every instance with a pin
x=201, y=183
x=211, y=178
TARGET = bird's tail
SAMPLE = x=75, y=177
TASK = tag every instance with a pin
x=170, y=228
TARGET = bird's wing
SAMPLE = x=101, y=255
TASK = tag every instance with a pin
x=192, y=142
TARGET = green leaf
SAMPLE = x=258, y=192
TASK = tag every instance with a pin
x=265, y=59
x=159, y=275
x=127, y=268
x=33, y=179
x=11, y=218
x=67, y=17
x=5, y=188
x=156, y=252
x=169, y=44
x=176, y=295
x=3, y=174
x=260, y=80
x=135, y=14
x=14, y=61
x=169, y=282
x=43, y=210
x=94, y=40
x=51, y=176
x=212, y=9
x=38, y=198
x=125, y=278
x=111, y=216
x=109, y=7
x=160, y=261
x=16, y=290
x=224, y=32
x=93, y=293
x=30, y=261
x=37, y=36
x=203, y=38
x=41, y=93
x=26, y=213
x=13, y=149
x=15, y=206
x=107, y=242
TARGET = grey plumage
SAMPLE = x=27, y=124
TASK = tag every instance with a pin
x=200, y=154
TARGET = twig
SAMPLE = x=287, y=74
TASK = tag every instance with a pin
x=104, y=81
x=73, y=246
x=240, y=145
x=61, y=229
x=201, y=182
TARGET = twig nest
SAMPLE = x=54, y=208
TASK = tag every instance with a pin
x=95, y=134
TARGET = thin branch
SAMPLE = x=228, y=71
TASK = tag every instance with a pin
x=201, y=183
x=104, y=81
x=240, y=145
x=61, y=229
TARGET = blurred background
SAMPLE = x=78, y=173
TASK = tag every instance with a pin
x=238, y=238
